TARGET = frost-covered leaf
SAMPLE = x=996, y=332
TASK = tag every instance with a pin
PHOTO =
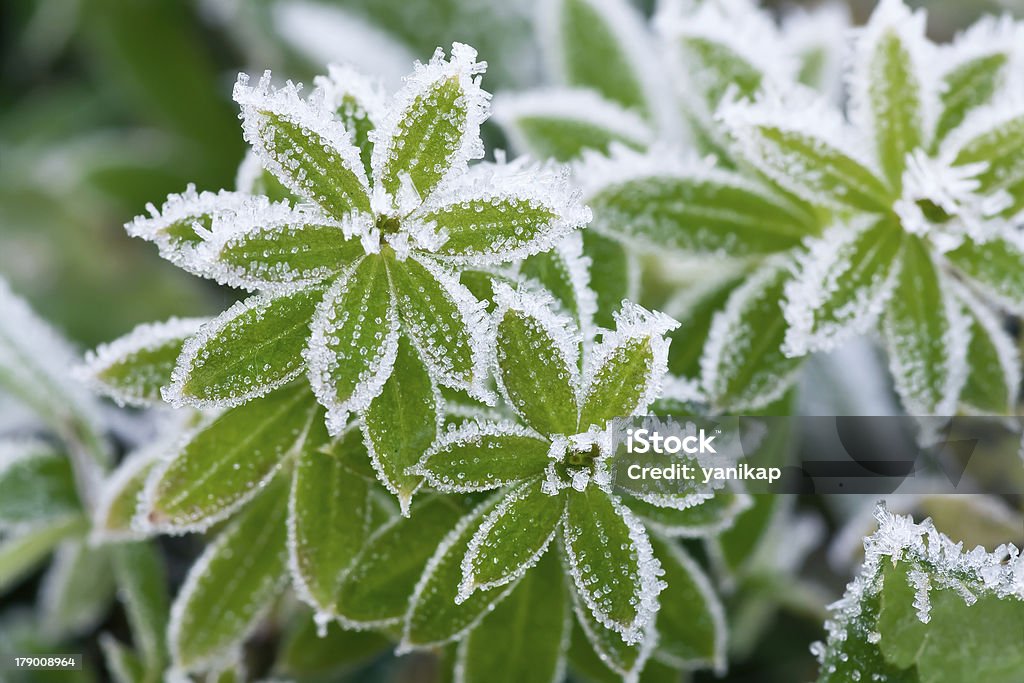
x=697, y=306
x=36, y=484
x=743, y=366
x=564, y=272
x=989, y=136
x=887, y=87
x=274, y=248
x=402, y=422
x=142, y=590
x=223, y=465
x=619, y=275
x=112, y=518
x=536, y=354
x=306, y=654
x=232, y=583
x=925, y=333
x=501, y=212
x=511, y=538
x=329, y=516
x=525, y=637
x=252, y=178
x=996, y=266
x=250, y=349
x=304, y=145
x=994, y=368
x=813, y=154
x=691, y=620
x=844, y=279
x=358, y=101
x=435, y=615
x=442, y=318
x=616, y=660
x=20, y=553
x=433, y=128
x=482, y=456
x=561, y=124
x=123, y=664
x=923, y=610
x=658, y=202
x=132, y=369
x=626, y=368
x=611, y=562
x=375, y=592
x=354, y=341
x=968, y=85
x=707, y=518
x=77, y=589
x=600, y=45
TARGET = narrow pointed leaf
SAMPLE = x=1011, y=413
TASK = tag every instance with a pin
x=358, y=102
x=226, y=463
x=123, y=665
x=132, y=369
x=620, y=275
x=329, y=517
x=304, y=145
x=232, y=583
x=844, y=280
x=142, y=590
x=441, y=317
x=708, y=518
x=532, y=627
x=601, y=653
x=353, y=342
x=990, y=137
x=743, y=366
x=36, y=484
x=435, y=125
x=483, y=456
x=994, y=372
x=611, y=562
x=996, y=266
x=435, y=616
x=77, y=590
x=968, y=86
x=402, y=422
x=119, y=499
x=698, y=311
x=565, y=273
x=717, y=67
x=247, y=351
x=537, y=372
x=384, y=574
x=511, y=538
x=925, y=334
x=21, y=553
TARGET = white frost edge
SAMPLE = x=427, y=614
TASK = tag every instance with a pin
x=741, y=503
x=144, y=337
x=136, y=462
x=1006, y=347
x=343, y=80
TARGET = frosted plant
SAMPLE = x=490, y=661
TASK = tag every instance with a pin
x=905, y=616
x=923, y=198
x=553, y=467
x=387, y=211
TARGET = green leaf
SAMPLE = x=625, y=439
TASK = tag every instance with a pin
x=511, y=538
x=743, y=367
x=21, y=553
x=401, y=424
x=232, y=583
x=132, y=369
x=809, y=166
x=288, y=251
x=305, y=147
x=844, y=279
x=691, y=620
x=353, y=341
x=306, y=654
x=892, y=99
x=358, y=103
x=247, y=351
x=375, y=592
x=716, y=68
x=525, y=637
x=563, y=124
x=76, y=590
x=435, y=615
x=254, y=179
x=479, y=456
x=993, y=141
x=996, y=266
x=694, y=210
x=612, y=653
x=969, y=85
x=595, y=49
x=123, y=665
x=925, y=333
x=563, y=272
x=440, y=316
x=536, y=368
x=619, y=279
x=36, y=484
x=993, y=378
x=611, y=562
x=142, y=588
x=329, y=518
x=708, y=518
x=437, y=129
x=226, y=463
x=687, y=341
x=119, y=502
